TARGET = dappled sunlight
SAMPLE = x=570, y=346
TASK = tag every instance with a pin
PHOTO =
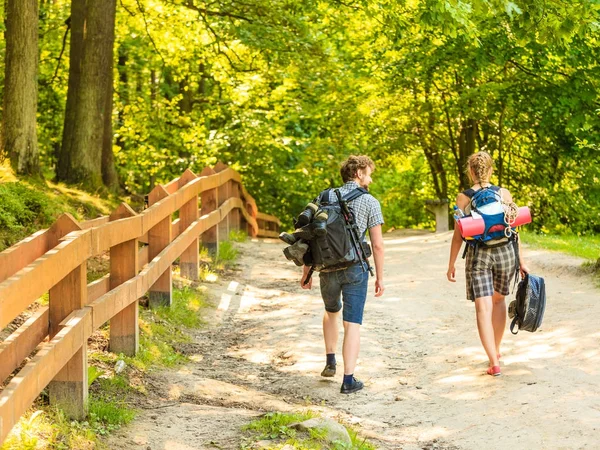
x=434, y=433
x=175, y=391
x=7, y=175
x=421, y=360
x=224, y=303
x=178, y=445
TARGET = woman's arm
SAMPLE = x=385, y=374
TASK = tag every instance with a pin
x=461, y=201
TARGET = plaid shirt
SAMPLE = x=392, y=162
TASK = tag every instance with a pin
x=367, y=209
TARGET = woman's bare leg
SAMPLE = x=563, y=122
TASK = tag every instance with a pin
x=484, y=309
x=498, y=319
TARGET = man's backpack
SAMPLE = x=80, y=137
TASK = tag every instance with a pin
x=527, y=311
x=487, y=204
x=341, y=246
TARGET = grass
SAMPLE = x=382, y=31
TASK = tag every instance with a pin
x=161, y=331
x=238, y=236
x=30, y=204
x=48, y=428
x=275, y=426
x=587, y=247
x=226, y=255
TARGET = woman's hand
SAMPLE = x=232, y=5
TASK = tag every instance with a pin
x=524, y=269
x=451, y=274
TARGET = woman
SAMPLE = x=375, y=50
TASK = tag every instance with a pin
x=488, y=269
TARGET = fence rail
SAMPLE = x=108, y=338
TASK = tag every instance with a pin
x=54, y=261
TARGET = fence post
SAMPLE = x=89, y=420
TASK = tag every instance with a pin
x=188, y=213
x=208, y=202
x=235, y=222
x=124, y=334
x=223, y=196
x=69, y=388
x=159, y=237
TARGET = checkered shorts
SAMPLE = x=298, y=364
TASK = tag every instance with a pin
x=492, y=270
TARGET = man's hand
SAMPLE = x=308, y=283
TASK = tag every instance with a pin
x=379, y=288
x=451, y=274
x=308, y=285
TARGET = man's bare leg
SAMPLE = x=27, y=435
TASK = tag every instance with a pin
x=351, y=346
x=331, y=331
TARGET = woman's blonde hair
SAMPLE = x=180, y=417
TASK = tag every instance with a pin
x=479, y=167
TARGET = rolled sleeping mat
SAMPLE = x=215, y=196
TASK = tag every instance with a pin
x=469, y=226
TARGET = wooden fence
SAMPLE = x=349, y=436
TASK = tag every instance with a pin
x=54, y=261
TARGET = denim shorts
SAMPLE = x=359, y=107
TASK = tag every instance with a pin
x=349, y=286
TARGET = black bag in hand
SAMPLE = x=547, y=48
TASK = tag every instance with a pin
x=527, y=311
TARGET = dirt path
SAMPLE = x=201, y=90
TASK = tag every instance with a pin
x=420, y=359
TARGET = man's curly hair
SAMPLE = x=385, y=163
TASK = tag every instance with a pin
x=350, y=167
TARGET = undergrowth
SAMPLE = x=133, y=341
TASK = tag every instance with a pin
x=29, y=205
x=111, y=394
x=275, y=427
x=586, y=246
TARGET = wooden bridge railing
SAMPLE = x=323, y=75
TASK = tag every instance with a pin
x=54, y=261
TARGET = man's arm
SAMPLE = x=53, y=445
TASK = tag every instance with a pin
x=376, y=237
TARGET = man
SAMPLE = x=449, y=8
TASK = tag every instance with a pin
x=349, y=286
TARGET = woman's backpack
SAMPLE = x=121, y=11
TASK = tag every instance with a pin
x=527, y=311
x=486, y=203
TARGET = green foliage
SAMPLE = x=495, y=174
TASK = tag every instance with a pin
x=587, y=247
x=275, y=426
x=283, y=93
x=161, y=333
x=227, y=254
x=28, y=206
x=50, y=428
x=108, y=409
x=23, y=210
x=93, y=374
x=238, y=236
x=162, y=330
x=185, y=309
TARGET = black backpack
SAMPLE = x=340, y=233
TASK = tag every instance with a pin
x=340, y=247
x=527, y=311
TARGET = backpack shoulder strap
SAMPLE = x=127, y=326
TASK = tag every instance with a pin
x=469, y=192
x=324, y=196
x=353, y=195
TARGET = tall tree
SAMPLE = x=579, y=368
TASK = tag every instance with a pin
x=88, y=109
x=19, y=137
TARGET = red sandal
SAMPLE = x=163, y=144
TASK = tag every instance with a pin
x=494, y=371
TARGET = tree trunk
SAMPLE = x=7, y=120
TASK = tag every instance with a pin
x=92, y=39
x=433, y=155
x=19, y=136
x=187, y=97
x=109, y=172
x=466, y=147
x=123, y=91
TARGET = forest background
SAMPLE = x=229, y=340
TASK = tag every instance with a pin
x=117, y=96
